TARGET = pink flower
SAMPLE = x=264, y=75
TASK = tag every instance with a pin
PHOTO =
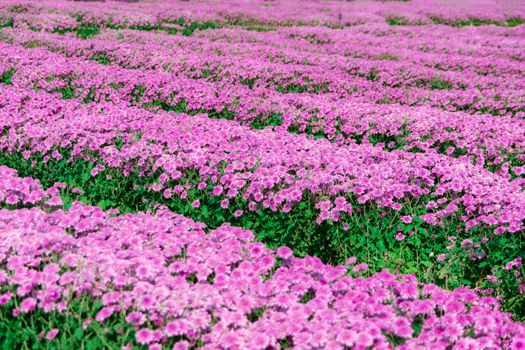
x=174, y=328
x=466, y=243
x=499, y=230
x=518, y=343
x=325, y=205
x=237, y=213
x=104, y=313
x=196, y=203
x=351, y=260
x=224, y=204
x=284, y=252
x=232, y=192
x=52, y=334
x=360, y=267
x=259, y=341
x=147, y=301
x=86, y=323
x=267, y=262
x=28, y=305
x=61, y=306
x=181, y=345
x=217, y=190
x=407, y=219
x=340, y=202
x=400, y=236
x=55, y=201
x=144, y=336
x=12, y=199
x=5, y=298
x=136, y=318
x=396, y=206
x=77, y=190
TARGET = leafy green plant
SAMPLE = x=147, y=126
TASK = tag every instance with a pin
x=7, y=76
x=76, y=326
x=87, y=31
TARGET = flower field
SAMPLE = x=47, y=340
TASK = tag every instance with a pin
x=262, y=174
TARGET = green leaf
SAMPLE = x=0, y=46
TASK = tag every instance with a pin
x=79, y=333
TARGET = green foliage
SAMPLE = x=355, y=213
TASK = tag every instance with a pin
x=18, y=8
x=32, y=44
x=69, y=91
x=388, y=57
x=137, y=93
x=258, y=28
x=397, y=21
x=6, y=23
x=190, y=29
x=437, y=84
x=27, y=331
x=443, y=146
x=7, y=76
x=286, y=343
x=249, y=82
x=510, y=22
x=372, y=75
x=417, y=325
x=256, y=314
x=146, y=28
x=314, y=40
x=273, y=120
x=515, y=21
x=300, y=88
x=309, y=295
x=434, y=84
x=86, y=31
x=182, y=107
x=101, y=57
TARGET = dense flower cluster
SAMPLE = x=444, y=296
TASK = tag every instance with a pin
x=331, y=13
x=223, y=289
x=392, y=133
x=495, y=143
x=17, y=191
x=271, y=169
x=379, y=80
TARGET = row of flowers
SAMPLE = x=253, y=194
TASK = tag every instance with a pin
x=170, y=278
x=495, y=143
x=335, y=15
x=271, y=168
